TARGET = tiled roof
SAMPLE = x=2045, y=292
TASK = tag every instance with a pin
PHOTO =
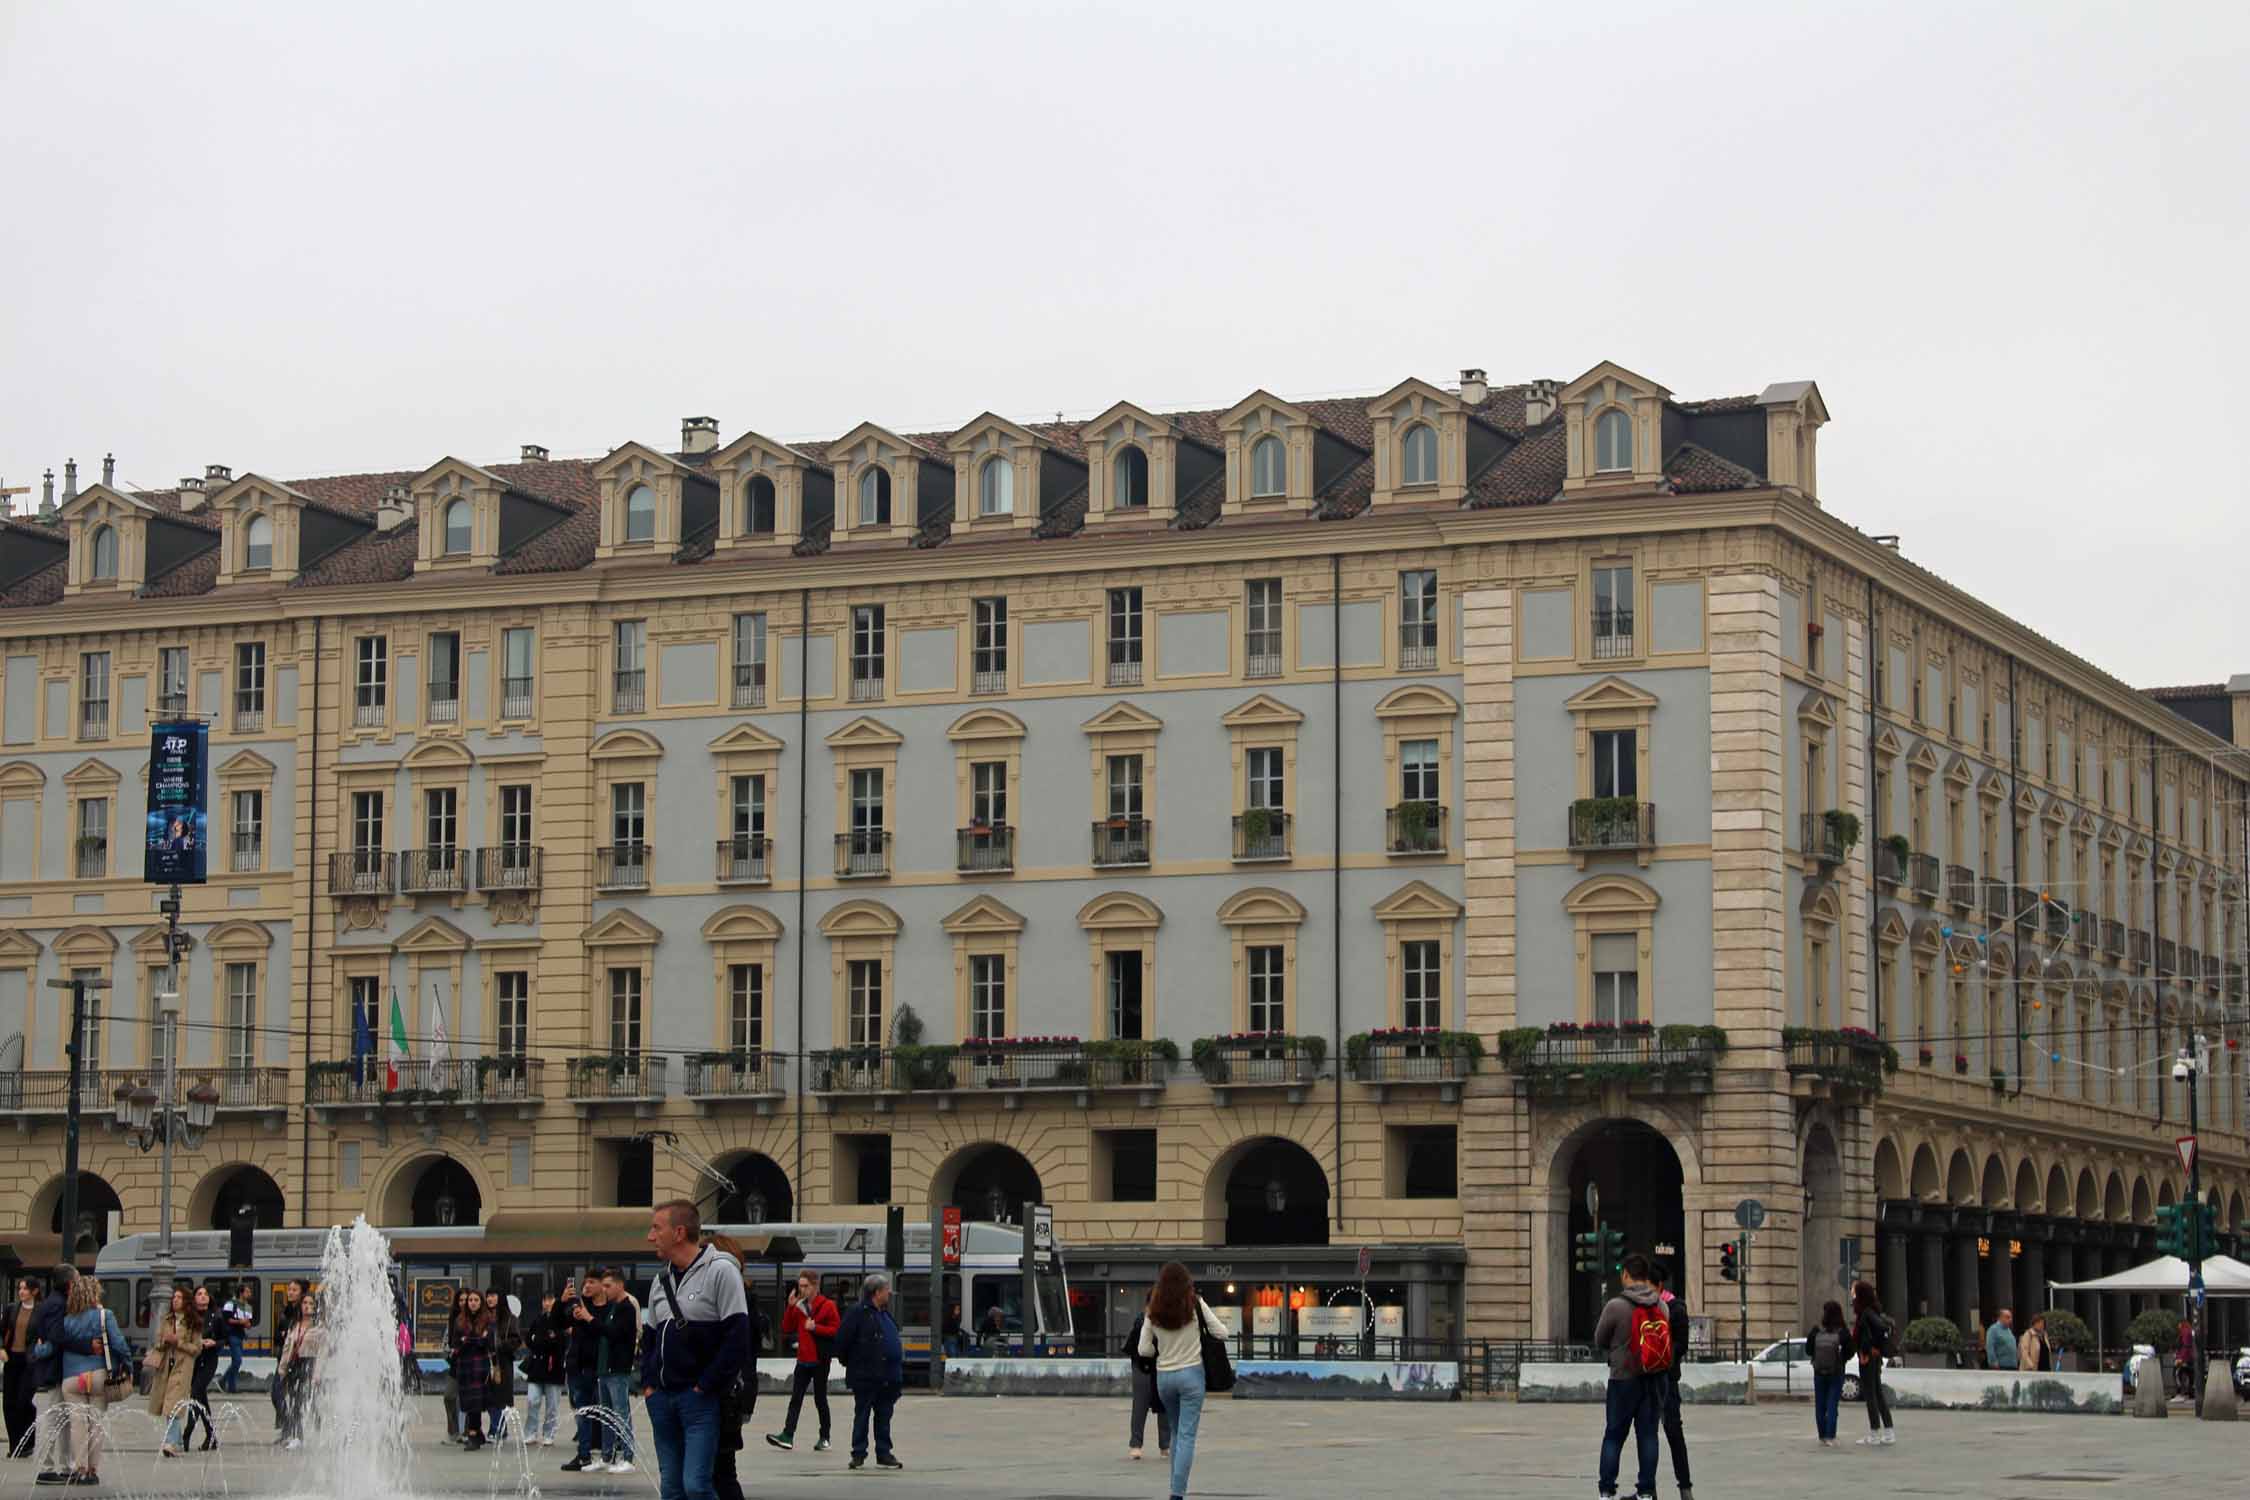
x=2192, y=690
x=1531, y=473
x=1699, y=471
x=42, y=587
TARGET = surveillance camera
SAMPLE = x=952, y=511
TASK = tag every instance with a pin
x=2181, y=1072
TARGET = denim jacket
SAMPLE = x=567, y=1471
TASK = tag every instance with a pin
x=86, y=1327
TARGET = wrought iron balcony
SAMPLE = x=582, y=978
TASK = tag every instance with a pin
x=1415, y=828
x=2167, y=956
x=249, y=716
x=1261, y=834
x=1261, y=654
x=1258, y=1061
x=93, y=720
x=863, y=854
x=246, y=1088
x=746, y=1074
x=628, y=691
x=1569, y=1057
x=362, y=872
x=2058, y=916
x=985, y=849
x=745, y=861
x=92, y=857
x=1446, y=1057
x=867, y=682
x=436, y=871
x=617, y=1075
x=1842, y=1057
x=1999, y=900
x=2137, y=947
x=988, y=680
x=445, y=703
x=1890, y=863
x=46, y=1091
x=1124, y=673
x=1613, y=632
x=423, y=1083
x=1122, y=841
x=1922, y=871
x=622, y=867
x=172, y=701
x=2113, y=937
x=1417, y=650
x=1820, y=836
x=508, y=867
x=515, y=697
x=370, y=713
x=249, y=852
x=1961, y=886
x=750, y=684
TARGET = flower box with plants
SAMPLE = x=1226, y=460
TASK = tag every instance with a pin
x=606, y=1073
x=845, y=1070
x=1843, y=829
x=1896, y=854
x=1130, y=1063
x=1257, y=1057
x=1850, y=1055
x=1928, y=1056
x=503, y=1077
x=1961, y=1063
x=1398, y=1054
x=1999, y=1081
x=1571, y=1052
x=738, y=1070
x=1004, y=1062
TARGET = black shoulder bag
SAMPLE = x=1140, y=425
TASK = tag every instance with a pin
x=1218, y=1370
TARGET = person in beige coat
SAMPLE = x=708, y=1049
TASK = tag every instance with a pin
x=179, y=1341
x=2032, y=1352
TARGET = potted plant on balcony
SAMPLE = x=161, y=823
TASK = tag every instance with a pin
x=1928, y=1056
x=1843, y=828
x=1413, y=824
x=1930, y=1343
x=1129, y=1061
x=1901, y=853
x=1257, y=825
x=1999, y=1081
x=1961, y=1063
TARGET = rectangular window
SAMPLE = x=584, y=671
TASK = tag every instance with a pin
x=93, y=838
x=628, y=818
x=1124, y=637
x=750, y=660
x=1816, y=984
x=511, y=1021
x=1418, y=771
x=867, y=801
x=172, y=680
x=988, y=995
x=367, y=821
x=746, y=797
x=1125, y=786
x=1616, y=762
x=445, y=677
x=372, y=685
x=367, y=1006
x=629, y=668
x=440, y=825
x=93, y=695
x=988, y=793
x=1265, y=789
x=249, y=829
x=863, y=982
x=1261, y=613
x=249, y=686
x=1268, y=991
x=1613, y=610
x=1422, y=1003
x=1417, y=620
x=1617, y=978
x=988, y=646
x=242, y=1016
x=515, y=820
x=624, y=1012
x=1123, y=984
x=746, y=1007
x=153, y=1006
x=516, y=672
x=95, y=1011
x=868, y=652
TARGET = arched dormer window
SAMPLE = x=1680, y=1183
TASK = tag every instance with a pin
x=640, y=514
x=457, y=528
x=874, y=496
x=105, y=552
x=757, y=506
x=257, y=543
x=1418, y=455
x=1613, y=441
x=1129, y=480
x=1269, y=469
x=996, y=488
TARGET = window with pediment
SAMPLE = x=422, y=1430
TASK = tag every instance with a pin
x=105, y=554
x=640, y=514
x=1612, y=422
x=996, y=488
x=875, y=496
x=758, y=506
x=458, y=526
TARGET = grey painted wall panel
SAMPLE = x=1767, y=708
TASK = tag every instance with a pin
x=1363, y=633
x=209, y=691
x=819, y=665
x=1193, y=643
x=1057, y=651
x=406, y=691
x=18, y=852
x=1793, y=626
x=1546, y=624
x=1679, y=754
x=58, y=709
x=1832, y=645
x=1680, y=963
x=926, y=660
x=14, y=990
x=687, y=673
x=19, y=701
x=132, y=705
x=285, y=697
x=477, y=674
x=1897, y=679
x=1678, y=608
x=1316, y=636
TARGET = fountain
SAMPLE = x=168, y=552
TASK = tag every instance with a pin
x=356, y=1410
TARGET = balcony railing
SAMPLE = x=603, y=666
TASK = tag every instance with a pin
x=1613, y=632
x=1436, y=1060
x=622, y=867
x=628, y=691
x=1847, y=1058
x=93, y=720
x=2137, y=947
x=173, y=702
x=1249, y=1062
x=864, y=853
x=750, y=685
x=867, y=682
x=238, y=1088
x=249, y=852
x=1608, y=823
x=437, y=871
x=1961, y=886
x=2167, y=956
x=1999, y=900
x=362, y=872
x=2113, y=937
x=515, y=697
x=1890, y=863
x=1261, y=834
x=2058, y=918
x=1417, y=652
x=988, y=680
x=507, y=1078
x=735, y=1075
x=1415, y=828
x=1569, y=1057
x=508, y=867
x=47, y=1090
x=745, y=861
x=1122, y=841
x=2214, y=971
x=1922, y=870
x=249, y=718
x=2237, y=974
x=1261, y=654
x=985, y=849
x=989, y=1066
x=1125, y=673
x=93, y=858
x=445, y=704
x=370, y=715
x=1819, y=836
x=617, y=1075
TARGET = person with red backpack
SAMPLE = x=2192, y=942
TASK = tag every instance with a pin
x=1635, y=1332
x=1668, y=1403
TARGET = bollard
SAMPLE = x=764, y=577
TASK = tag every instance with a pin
x=2219, y=1401
x=2150, y=1398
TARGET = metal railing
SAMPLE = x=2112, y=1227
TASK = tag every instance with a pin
x=1599, y=823
x=1923, y=871
x=628, y=691
x=750, y=685
x=172, y=703
x=445, y=704
x=1856, y=1060
x=47, y=1090
x=1125, y=673
x=238, y=1088
x=370, y=715
x=1122, y=841
x=1818, y=836
x=2113, y=937
x=93, y=857
x=1235, y=1061
x=1414, y=653
x=863, y=853
x=617, y=1075
x=1411, y=1062
x=1613, y=632
x=1261, y=654
x=508, y=867
x=745, y=861
x=867, y=687
x=622, y=867
x=1890, y=864
x=93, y=720
x=989, y=680
x=362, y=872
x=1261, y=834
x=435, y=871
x=1636, y=1052
x=249, y=852
x=2058, y=918
x=1961, y=885
x=735, y=1075
x=515, y=697
x=1999, y=900
x=249, y=719
x=1415, y=828
x=2137, y=947
x=2167, y=956
x=985, y=849
x=506, y=1078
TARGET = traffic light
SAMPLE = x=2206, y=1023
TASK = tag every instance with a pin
x=2205, y=1225
x=1586, y=1250
x=894, y=1239
x=1730, y=1264
x=1612, y=1250
x=2171, y=1230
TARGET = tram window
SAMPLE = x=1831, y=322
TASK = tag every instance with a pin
x=144, y=1291
x=842, y=1290
x=117, y=1296
x=1003, y=1292
x=911, y=1305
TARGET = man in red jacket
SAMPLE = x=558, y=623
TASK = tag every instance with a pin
x=810, y=1320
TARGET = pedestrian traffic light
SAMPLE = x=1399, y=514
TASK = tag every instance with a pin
x=2171, y=1230
x=1730, y=1265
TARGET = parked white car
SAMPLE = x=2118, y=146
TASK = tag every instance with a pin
x=1781, y=1369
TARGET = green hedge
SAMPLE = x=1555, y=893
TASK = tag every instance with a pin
x=1932, y=1336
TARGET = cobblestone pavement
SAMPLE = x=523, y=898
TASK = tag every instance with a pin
x=1028, y=1449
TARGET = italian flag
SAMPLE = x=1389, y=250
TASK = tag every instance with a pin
x=398, y=1043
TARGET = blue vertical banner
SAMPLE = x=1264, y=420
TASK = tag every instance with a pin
x=179, y=820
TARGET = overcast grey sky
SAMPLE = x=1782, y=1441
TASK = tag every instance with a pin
x=2007, y=240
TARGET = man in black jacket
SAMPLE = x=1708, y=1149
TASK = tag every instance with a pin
x=15, y=1377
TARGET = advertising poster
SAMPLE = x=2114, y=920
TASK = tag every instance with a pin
x=178, y=817
x=433, y=1309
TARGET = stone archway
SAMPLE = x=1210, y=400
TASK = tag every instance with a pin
x=97, y=1200
x=1642, y=1186
x=1820, y=1256
x=431, y=1191
x=1269, y=1191
x=222, y=1193
x=987, y=1181
x=760, y=1193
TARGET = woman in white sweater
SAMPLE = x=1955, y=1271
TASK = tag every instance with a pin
x=1172, y=1334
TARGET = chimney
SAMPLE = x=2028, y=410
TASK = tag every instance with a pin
x=1539, y=402
x=47, y=497
x=534, y=454
x=1474, y=387
x=109, y=470
x=217, y=476
x=699, y=434
x=191, y=494
x=395, y=509
x=69, y=480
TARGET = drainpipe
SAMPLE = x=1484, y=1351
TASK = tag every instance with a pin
x=2156, y=908
x=2015, y=857
x=312, y=899
x=804, y=856
x=1875, y=813
x=1336, y=875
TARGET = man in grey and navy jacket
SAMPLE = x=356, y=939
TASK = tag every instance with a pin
x=698, y=1326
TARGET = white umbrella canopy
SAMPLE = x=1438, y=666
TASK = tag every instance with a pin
x=2223, y=1276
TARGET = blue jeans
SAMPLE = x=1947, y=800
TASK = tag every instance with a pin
x=1827, y=1397
x=585, y=1391
x=873, y=1401
x=1632, y=1402
x=234, y=1365
x=544, y=1410
x=617, y=1395
x=684, y=1428
x=1181, y=1393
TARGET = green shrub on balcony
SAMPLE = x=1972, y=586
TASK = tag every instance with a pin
x=1464, y=1044
x=1857, y=1056
x=1212, y=1055
x=924, y=1065
x=1843, y=827
x=828, y=1061
x=1133, y=1051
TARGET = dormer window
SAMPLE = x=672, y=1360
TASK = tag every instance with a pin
x=257, y=544
x=1418, y=455
x=1269, y=469
x=1613, y=440
x=457, y=517
x=996, y=488
x=640, y=514
x=1129, y=481
x=105, y=553
x=875, y=496
x=758, y=506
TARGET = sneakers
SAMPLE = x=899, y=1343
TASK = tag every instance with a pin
x=53, y=1476
x=575, y=1465
x=1872, y=1440
x=622, y=1466
x=1890, y=1436
x=294, y=1444
x=858, y=1463
x=890, y=1462
x=1134, y=1454
x=821, y=1446
x=786, y=1442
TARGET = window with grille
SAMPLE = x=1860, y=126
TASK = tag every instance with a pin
x=93, y=838
x=1417, y=620
x=1263, y=767
x=93, y=695
x=624, y=1011
x=988, y=995
x=372, y=684
x=440, y=824
x=172, y=680
x=1613, y=610
x=1422, y=1002
x=1268, y=994
x=1616, y=767
x=988, y=646
x=511, y=1020
x=96, y=1019
x=249, y=684
x=445, y=677
x=988, y=793
x=628, y=816
x=516, y=672
x=1124, y=636
x=746, y=796
x=750, y=660
x=1261, y=614
x=249, y=829
x=863, y=982
x=867, y=651
x=1417, y=771
x=629, y=684
x=1617, y=977
x=1124, y=786
x=746, y=1007
x=242, y=1015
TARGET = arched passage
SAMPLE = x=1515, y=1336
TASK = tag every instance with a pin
x=990, y=1181
x=1273, y=1192
x=97, y=1200
x=760, y=1194
x=1641, y=1195
x=1960, y=1179
x=1824, y=1220
x=432, y=1192
x=226, y=1191
x=1890, y=1178
x=1925, y=1175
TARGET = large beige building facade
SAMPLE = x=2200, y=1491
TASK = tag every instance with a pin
x=1268, y=831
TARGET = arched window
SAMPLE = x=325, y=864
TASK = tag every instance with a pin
x=1268, y=469
x=1418, y=455
x=105, y=552
x=1129, y=480
x=257, y=543
x=640, y=514
x=874, y=496
x=757, y=506
x=456, y=528
x=996, y=488
x=1613, y=441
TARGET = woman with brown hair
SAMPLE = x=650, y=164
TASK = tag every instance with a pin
x=1871, y=1337
x=1172, y=1335
x=86, y=1378
x=179, y=1343
x=471, y=1342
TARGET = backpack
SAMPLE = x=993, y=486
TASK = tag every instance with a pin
x=1828, y=1351
x=1652, y=1339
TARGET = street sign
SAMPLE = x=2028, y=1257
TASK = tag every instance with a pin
x=952, y=1235
x=2186, y=1144
x=1043, y=1232
x=1366, y=1259
x=1750, y=1214
x=1593, y=1200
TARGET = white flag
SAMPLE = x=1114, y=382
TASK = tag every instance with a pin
x=438, y=1051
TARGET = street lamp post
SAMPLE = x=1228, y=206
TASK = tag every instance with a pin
x=2187, y=1068
x=78, y=989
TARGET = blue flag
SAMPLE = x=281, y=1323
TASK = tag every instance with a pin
x=363, y=1042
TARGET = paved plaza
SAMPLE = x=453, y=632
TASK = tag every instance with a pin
x=1057, y=1449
